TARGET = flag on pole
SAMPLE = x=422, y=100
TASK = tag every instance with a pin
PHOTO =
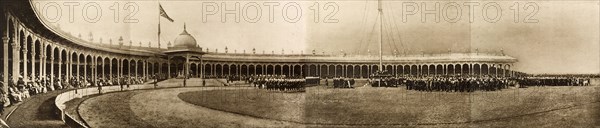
x=163, y=13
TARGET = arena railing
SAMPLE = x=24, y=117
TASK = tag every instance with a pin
x=63, y=98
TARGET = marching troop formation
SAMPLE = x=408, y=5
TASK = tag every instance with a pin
x=471, y=84
x=457, y=84
x=278, y=83
x=553, y=81
x=429, y=84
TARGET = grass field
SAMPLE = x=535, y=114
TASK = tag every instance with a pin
x=111, y=109
x=322, y=106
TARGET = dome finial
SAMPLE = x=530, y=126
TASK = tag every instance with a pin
x=183, y=25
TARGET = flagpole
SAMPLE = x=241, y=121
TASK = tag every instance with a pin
x=380, y=42
x=158, y=24
x=380, y=36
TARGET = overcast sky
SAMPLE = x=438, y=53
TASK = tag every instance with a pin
x=546, y=37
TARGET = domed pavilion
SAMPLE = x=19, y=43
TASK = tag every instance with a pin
x=180, y=53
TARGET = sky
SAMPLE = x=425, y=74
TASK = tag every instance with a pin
x=554, y=37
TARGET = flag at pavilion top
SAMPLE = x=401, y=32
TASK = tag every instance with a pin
x=163, y=13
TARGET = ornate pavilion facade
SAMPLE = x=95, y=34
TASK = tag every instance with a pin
x=32, y=48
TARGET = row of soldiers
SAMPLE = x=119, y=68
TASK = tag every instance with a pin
x=470, y=84
x=444, y=84
x=553, y=81
x=458, y=84
x=278, y=83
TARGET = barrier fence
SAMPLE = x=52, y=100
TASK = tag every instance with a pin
x=63, y=98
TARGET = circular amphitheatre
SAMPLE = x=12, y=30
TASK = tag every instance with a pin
x=327, y=107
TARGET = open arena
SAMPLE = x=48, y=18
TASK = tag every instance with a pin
x=321, y=106
x=52, y=78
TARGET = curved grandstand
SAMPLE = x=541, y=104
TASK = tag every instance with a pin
x=47, y=59
x=34, y=48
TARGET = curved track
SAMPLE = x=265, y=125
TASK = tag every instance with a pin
x=163, y=108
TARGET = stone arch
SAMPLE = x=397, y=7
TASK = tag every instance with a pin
x=485, y=69
x=99, y=67
x=477, y=69
x=432, y=70
x=140, y=68
x=406, y=70
x=208, y=70
x=349, y=72
x=450, y=70
x=424, y=70
x=356, y=71
x=49, y=52
x=233, y=69
x=29, y=63
x=507, y=70
x=156, y=68
x=269, y=70
x=56, y=55
x=64, y=60
x=259, y=69
x=389, y=69
x=374, y=68
x=323, y=71
x=364, y=71
x=114, y=67
x=286, y=70
x=106, y=67
x=219, y=70
x=73, y=66
x=226, y=70
x=22, y=42
x=339, y=70
x=11, y=36
x=193, y=67
x=126, y=65
x=248, y=69
x=38, y=53
x=439, y=69
x=413, y=70
x=458, y=69
x=399, y=70
x=278, y=70
x=466, y=69
x=87, y=66
x=500, y=69
x=312, y=70
x=304, y=70
x=297, y=70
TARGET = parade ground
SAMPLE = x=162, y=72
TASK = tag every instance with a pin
x=320, y=106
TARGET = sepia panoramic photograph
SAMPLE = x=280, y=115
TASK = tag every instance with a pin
x=299, y=63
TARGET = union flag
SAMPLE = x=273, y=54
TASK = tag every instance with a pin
x=163, y=13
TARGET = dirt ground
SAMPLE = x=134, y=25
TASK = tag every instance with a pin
x=360, y=107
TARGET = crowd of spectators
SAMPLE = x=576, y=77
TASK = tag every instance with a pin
x=21, y=89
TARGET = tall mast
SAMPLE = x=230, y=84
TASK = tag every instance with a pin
x=380, y=35
x=158, y=24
